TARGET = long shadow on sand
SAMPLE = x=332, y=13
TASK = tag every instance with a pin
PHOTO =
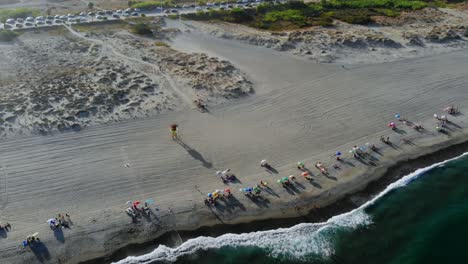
x=58, y=233
x=315, y=184
x=3, y=233
x=40, y=250
x=260, y=201
x=195, y=154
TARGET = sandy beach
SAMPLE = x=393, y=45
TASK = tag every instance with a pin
x=291, y=109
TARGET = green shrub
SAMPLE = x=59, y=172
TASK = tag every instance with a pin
x=142, y=29
x=18, y=13
x=161, y=44
x=7, y=35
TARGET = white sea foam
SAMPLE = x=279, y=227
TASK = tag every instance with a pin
x=297, y=241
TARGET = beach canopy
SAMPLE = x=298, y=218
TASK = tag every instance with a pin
x=283, y=180
x=397, y=116
x=338, y=153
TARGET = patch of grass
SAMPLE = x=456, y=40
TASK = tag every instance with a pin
x=18, y=13
x=173, y=16
x=354, y=16
x=387, y=12
x=151, y=4
x=7, y=35
x=161, y=44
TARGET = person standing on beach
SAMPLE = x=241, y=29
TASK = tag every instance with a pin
x=174, y=128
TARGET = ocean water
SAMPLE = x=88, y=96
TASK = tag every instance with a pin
x=421, y=218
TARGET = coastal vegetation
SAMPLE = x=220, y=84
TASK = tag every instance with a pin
x=18, y=13
x=150, y=4
x=297, y=14
x=7, y=35
x=142, y=29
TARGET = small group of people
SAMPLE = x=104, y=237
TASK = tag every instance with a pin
x=59, y=221
x=5, y=227
x=319, y=165
x=31, y=240
x=218, y=194
x=452, y=110
x=226, y=175
x=251, y=191
x=134, y=210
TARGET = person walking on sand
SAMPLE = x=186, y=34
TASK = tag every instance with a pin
x=174, y=128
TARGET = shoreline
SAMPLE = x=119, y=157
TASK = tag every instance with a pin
x=315, y=215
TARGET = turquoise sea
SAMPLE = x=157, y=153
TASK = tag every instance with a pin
x=422, y=218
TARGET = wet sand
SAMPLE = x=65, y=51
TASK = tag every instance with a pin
x=301, y=111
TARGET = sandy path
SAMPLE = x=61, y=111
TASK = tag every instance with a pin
x=301, y=110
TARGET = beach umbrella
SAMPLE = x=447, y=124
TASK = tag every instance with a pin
x=129, y=202
x=227, y=190
x=436, y=116
x=278, y=181
x=300, y=163
x=362, y=148
x=397, y=116
x=149, y=201
x=305, y=174
x=256, y=189
x=249, y=189
x=51, y=221
x=338, y=153
x=285, y=179
x=210, y=195
x=135, y=203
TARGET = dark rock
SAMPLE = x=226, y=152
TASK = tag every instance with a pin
x=105, y=80
x=82, y=114
x=149, y=88
x=76, y=127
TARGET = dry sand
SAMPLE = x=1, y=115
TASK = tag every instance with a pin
x=300, y=111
